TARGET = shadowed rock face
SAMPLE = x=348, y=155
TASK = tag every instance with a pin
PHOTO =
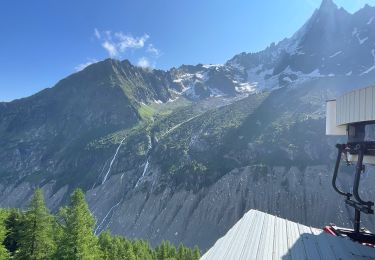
x=187, y=170
x=304, y=196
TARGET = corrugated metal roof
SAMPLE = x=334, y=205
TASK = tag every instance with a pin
x=258, y=235
x=356, y=106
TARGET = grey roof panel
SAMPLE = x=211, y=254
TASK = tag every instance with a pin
x=309, y=242
x=323, y=247
x=258, y=235
x=295, y=244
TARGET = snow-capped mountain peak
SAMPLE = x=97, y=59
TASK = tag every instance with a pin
x=332, y=42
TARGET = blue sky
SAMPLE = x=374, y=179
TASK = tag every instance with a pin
x=43, y=41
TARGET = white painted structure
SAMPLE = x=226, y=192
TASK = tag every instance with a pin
x=331, y=123
x=353, y=107
x=356, y=106
x=258, y=235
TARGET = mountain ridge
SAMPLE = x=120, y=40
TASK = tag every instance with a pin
x=198, y=142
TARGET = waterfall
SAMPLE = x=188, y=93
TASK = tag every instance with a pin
x=113, y=159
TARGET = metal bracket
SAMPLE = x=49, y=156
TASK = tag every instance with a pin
x=359, y=168
x=358, y=204
x=340, y=148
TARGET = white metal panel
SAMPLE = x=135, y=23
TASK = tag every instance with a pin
x=219, y=250
x=261, y=236
x=246, y=227
x=331, y=126
x=356, y=106
x=280, y=245
x=368, y=110
x=362, y=110
x=252, y=243
x=338, y=107
x=348, y=107
x=351, y=105
x=265, y=249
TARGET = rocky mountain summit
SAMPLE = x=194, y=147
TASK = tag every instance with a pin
x=182, y=154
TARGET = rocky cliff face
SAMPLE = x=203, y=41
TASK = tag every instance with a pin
x=200, y=218
x=183, y=154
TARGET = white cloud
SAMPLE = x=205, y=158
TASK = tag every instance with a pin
x=151, y=49
x=81, y=66
x=97, y=34
x=117, y=43
x=143, y=62
x=128, y=41
x=111, y=48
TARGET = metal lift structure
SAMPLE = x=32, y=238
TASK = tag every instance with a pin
x=353, y=115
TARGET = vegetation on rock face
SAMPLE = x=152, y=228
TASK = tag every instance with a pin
x=36, y=234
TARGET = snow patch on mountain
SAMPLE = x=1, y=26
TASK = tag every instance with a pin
x=372, y=67
x=371, y=20
x=246, y=88
x=257, y=78
x=334, y=55
x=216, y=92
x=356, y=33
x=362, y=41
x=210, y=66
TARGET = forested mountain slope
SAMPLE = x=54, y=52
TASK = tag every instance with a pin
x=182, y=154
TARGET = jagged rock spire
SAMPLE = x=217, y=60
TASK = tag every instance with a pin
x=328, y=5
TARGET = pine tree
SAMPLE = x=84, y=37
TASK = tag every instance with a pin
x=196, y=253
x=106, y=245
x=36, y=237
x=142, y=250
x=130, y=254
x=181, y=252
x=165, y=251
x=13, y=224
x=33, y=235
x=78, y=241
x=4, y=254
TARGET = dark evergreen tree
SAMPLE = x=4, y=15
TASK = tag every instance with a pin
x=166, y=251
x=34, y=234
x=196, y=253
x=78, y=241
x=4, y=254
x=13, y=224
x=142, y=250
x=36, y=237
x=106, y=245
